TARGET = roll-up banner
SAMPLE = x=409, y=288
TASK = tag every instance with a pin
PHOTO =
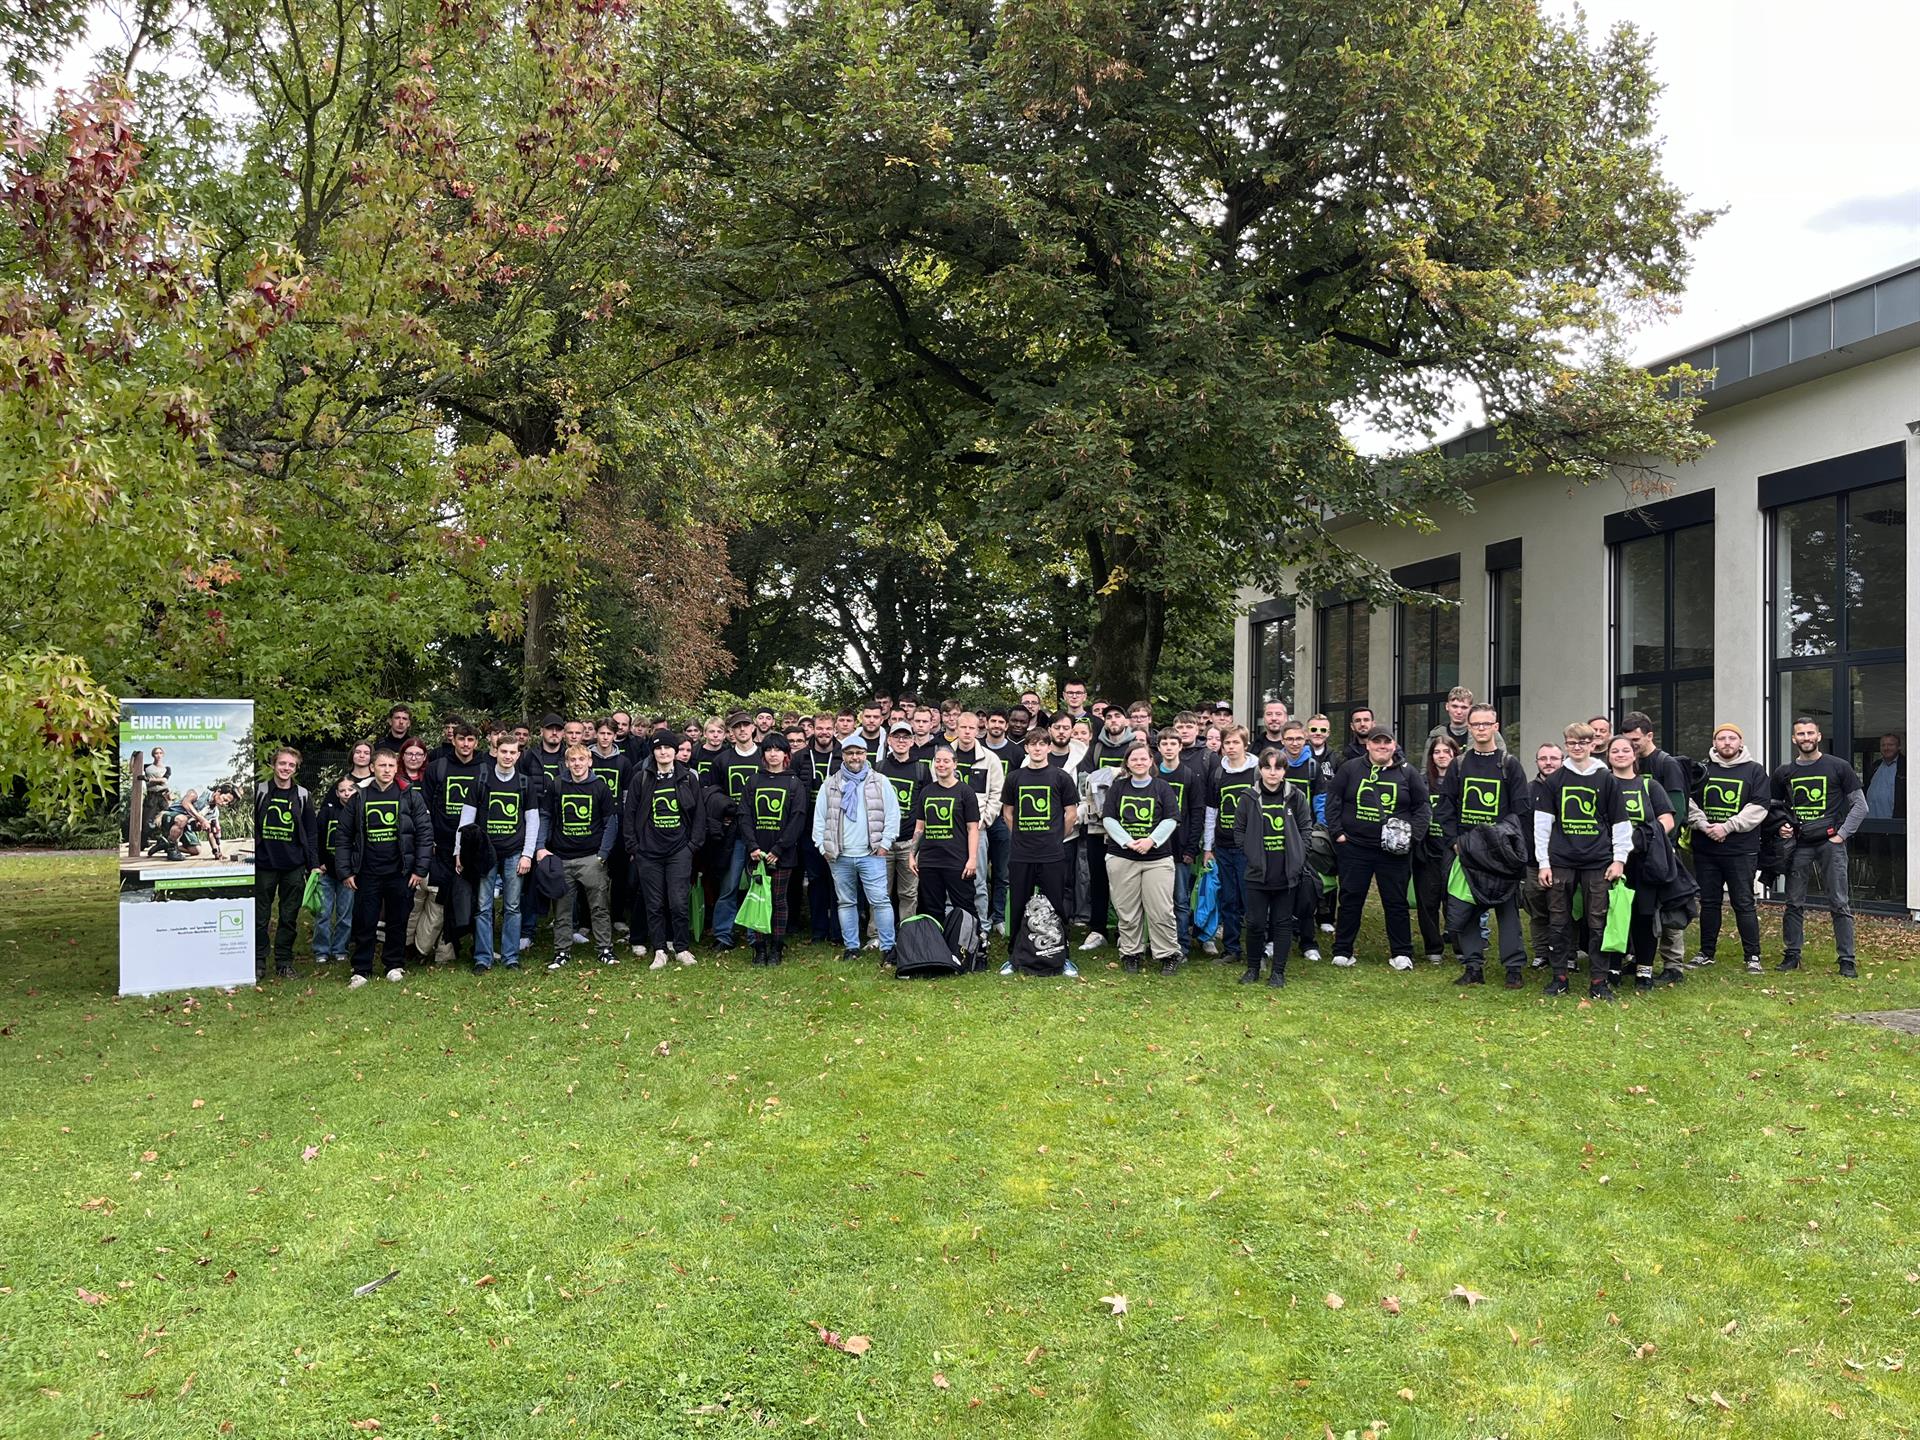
x=186, y=859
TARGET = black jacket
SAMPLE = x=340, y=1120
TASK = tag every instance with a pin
x=414, y=827
x=1297, y=813
x=692, y=795
x=1494, y=859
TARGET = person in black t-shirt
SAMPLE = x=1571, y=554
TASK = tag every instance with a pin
x=387, y=845
x=1648, y=811
x=1374, y=809
x=1670, y=775
x=1825, y=805
x=1725, y=813
x=1040, y=805
x=946, y=833
x=903, y=769
x=580, y=824
x=1484, y=786
x=286, y=851
x=773, y=816
x=1581, y=838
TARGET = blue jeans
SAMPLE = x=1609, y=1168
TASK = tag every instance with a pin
x=333, y=926
x=726, y=905
x=997, y=842
x=980, y=911
x=1233, y=897
x=854, y=876
x=504, y=879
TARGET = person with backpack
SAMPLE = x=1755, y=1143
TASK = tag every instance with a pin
x=1139, y=827
x=286, y=852
x=1273, y=824
x=1669, y=772
x=665, y=821
x=1378, y=803
x=506, y=807
x=946, y=838
x=773, y=817
x=739, y=763
x=580, y=825
x=386, y=840
x=1310, y=775
x=448, y=788
x=1825, y=805
x=333, y=926
x=1725, y=812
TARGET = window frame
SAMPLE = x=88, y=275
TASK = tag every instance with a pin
x=1504, y=568
x=1275, y=612
x=1664, y=522
x=1429, y=576
x=1356, y=616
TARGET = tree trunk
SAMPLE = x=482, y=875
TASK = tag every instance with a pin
x=1129, y=626
x=539, y=684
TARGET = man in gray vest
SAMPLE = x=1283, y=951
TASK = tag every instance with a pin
x=852, y=827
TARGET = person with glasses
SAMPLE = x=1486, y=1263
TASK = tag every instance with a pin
x=1582, y=838
x=1320, y=747
x=1485, y=786
x=1378, y=803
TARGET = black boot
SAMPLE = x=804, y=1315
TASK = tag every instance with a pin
x=1472, y=975
x=759, y=950
x=1256, y=948
x=1278, y=977
x=1516, y=978
x=774, y=957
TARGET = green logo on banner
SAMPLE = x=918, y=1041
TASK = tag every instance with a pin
x=233, y=922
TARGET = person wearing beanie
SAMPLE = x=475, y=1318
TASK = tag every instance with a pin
x=1725, y=813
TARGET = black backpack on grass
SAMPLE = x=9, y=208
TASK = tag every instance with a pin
x=921, y=952
x=962, y=932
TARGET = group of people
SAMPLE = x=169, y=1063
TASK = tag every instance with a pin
x=851, y=821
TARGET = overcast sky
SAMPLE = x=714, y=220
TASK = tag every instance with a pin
x=1802, y=122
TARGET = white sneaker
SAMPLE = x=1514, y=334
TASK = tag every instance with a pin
x=526, y=944
x=579, y=937
x=874, y=944
x=1006, y=968
x=1093, y=941
x=1325, y=929
x=685, y=957
x=1754, y=967
x=1698, y=960
x=1212, y=947
x=640, y=952
x=1070, y=970
x=659, y=960
x=1400, y=962
x=1312, y=953
x=396, y=974
x=356, y=982
x=1433, y=957
x=1345, y=962
x=1539, y=962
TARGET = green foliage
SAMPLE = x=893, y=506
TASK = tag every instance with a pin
x=657, y=1185
x=58, y=740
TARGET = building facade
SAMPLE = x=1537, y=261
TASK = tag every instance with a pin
x=1773, y=578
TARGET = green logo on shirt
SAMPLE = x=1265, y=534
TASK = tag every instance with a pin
x=1230, y=796
x=383, y=821
x=1580, y=811
x=276, y=821
x=459, y=787
x=1807, y=797
x=666, y=810
x=576, y=815
x=503, y=812
x=769, y=806
x=1376, y=799
x=1276, y=830
x=1136, y=815
x=611, y=774
x=1634, y=798
x=1035, y=811
x=1722, y=798
x=939, y=817
x=1480, y=800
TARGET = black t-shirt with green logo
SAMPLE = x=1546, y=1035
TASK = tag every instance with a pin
x=947, y=811
x=1726, y=790
x=1039, y=800
x=906, y=777
x=1483, y=790
x=577, y=812
x=448, y=788
x=1225, y=794
x=773, y=815
x=1140, y=809
x=1817, y=795
x=665, y=809
x=1188, y=785
x=613, y=769
x=1585, y=808
x=706, y=764
x=733, y=772
x=503, y=809
x=1643, y=798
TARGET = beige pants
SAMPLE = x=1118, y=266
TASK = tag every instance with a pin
x=1142, y=893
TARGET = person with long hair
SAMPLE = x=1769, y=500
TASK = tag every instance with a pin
x=360, y=764
x=1432, y=855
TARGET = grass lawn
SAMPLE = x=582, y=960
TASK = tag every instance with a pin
x=621, y=1202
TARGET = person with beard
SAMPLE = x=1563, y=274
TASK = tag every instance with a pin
x=1371, y=802
x=1107, y=752
x=580, y=824
x=1272, y=825
x=1535, y=898
x=505, y=802
x=945, y=850
x=664, y=819
x=1273, y=728
x=854, y=826
x=1725, y=813
x=448, y=790
x=1825, y=805
x=773, y=817
x=386, y=848
x=1190, y=809
x=548, y=759
x=1233, y=778
x=1582, y=839
x=1138, y=829
x=1359, y=726
x=1646, y=803
x=1484, y=786
x=812, y=764
x=739, y=763
x=905, y=772
x=983, y=772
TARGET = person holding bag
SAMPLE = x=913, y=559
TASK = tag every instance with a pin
x=773, y=818
x=1649, y=812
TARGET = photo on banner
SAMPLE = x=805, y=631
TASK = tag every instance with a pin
x=186, y=854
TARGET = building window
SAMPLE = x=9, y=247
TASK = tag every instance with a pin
x=1503, y=636
x=1272, y=629
x=1429, y=662
x=1663, y=634
x=1839, y=657
x=1340, y=659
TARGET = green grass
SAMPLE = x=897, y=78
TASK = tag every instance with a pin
x=672, y=1177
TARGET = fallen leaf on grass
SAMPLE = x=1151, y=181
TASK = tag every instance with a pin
x=710, y=1408
x=483, y=1280
x=1461, y=1292
x=146, y=1394
x=1334, y=1302
x=1116, y=1304
x=1644, y=1351
x=199, y=1104
x=1390, y=1304
x=87, y=1297
x=940, y=1382
x=307, y=1155
x=366, y=1424
x=834, y=1340
x=1406, y=1395
x=661, y=1049
x=1729, y=1327
x=1719, y=1400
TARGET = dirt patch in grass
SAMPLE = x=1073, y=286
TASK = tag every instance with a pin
x=1905, y=1021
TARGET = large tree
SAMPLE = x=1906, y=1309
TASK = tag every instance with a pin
x=1126, y=273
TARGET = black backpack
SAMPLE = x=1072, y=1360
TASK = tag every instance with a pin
x=962, y=934
x=921, y=952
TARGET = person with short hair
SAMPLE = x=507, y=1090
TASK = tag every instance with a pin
x=1825, y=806
x=1582, y=839
x=905, y=772
x=387, y=841
x=945, y=853
x=505, y=804
x=1725, y=812
x=664, y=819
x=1040, y=807
x=1535, y=898
x=286, y=852
x=1273, y=824
x=580, y=824
x=397, y=731
x=333, y=926
x=1485, y=786
x=773, y=816
x=738, y=764
x=1670, y=775
x=1189, y=789
x=1232, y=780
x=1650, y=814
x=1374, y=809
x=854, y=827
x=1139, y=824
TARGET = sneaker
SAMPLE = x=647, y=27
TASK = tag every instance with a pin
x=559, y=960
x=1539, y=962
x=1312, y=952
x=723, y=943
x=1269, y=950
x=322, y=959
x=1400, y=962
x=1433, y=957
x=1516, y=980
x=1471, y=977
x=1212, y=947
x=481, y=967
x=513, y=963
x=1093, y=941
x=1670, y=975
x=579, y=937
x=640, y=952
x=1068, y=969
x=1278, y=977
x=659, y=960
x=396, y=974
x=1643, y=983
x=1602, y=991
x=526, y=943
x=1702, y=959
x=1172, y=965
x=1325, y=929
x=851, y=953
x=1848, y=970
x=1345, y=962
x=1006, y=967
x=1754, y=967
x=283, y=970
x=1790, y=962
x=1556, y=986
x=1130, y=963
x=1250, y=976
x=606, y=956
x=685, y=957
x=874, y=944
x=356, y=982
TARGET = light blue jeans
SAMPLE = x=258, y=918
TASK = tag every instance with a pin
x=333, y=926
x=726, y=904
x=503, y=879
x=853, y=876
